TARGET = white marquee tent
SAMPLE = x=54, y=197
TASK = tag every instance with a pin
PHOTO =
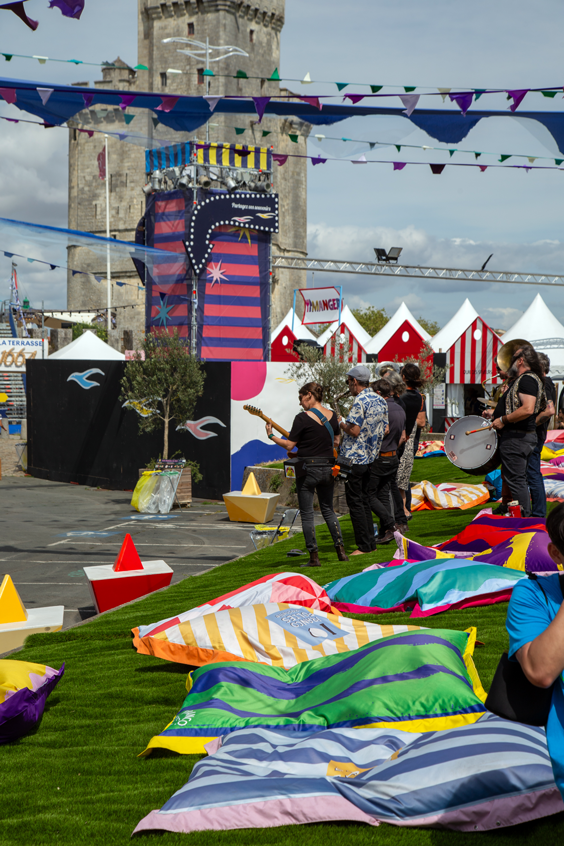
x=88, y=347
x=545, y=332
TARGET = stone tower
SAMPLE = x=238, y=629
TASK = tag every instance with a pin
x=254, y=27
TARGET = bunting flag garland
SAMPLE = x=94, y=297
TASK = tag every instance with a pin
x=52, y=266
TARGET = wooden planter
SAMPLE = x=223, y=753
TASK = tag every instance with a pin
x=184, y=489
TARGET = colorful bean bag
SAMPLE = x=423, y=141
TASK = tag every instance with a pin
x=428, y=497
x=427, y=587
x=429, y=449
x=24, y=687
x=293, y=588
x=277, y=634
x=415, y=681
x=479, y=777
x=554, y=490
x=488, y=530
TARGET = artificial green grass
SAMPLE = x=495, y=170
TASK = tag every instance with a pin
x=77, y=778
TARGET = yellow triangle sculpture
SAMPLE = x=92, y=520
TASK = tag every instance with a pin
x=12, y=609
x=251, y=487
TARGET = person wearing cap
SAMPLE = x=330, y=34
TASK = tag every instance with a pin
x=363, y=432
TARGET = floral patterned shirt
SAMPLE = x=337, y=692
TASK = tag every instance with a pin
x=370, y=412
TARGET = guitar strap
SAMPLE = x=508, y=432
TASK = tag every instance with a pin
x=324, y=421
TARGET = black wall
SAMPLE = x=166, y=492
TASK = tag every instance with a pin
x=85, y=436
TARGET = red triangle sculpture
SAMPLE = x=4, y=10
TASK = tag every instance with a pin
x=128, y=558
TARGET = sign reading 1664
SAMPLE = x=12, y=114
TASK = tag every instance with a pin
x=14, y=352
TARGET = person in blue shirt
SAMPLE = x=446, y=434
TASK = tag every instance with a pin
x=535, y=624
x=363, y=432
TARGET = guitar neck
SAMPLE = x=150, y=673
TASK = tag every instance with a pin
x=274, y=425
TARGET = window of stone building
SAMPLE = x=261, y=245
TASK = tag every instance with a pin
x=95, y=210
x=200, y=76
x=111, y=183
x=251, y=35
x=126, y=180
x=190, y=29
x=163, y=79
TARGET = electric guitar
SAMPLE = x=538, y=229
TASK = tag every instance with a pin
x=258, y=413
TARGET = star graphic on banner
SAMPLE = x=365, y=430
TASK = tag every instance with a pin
x=216, y=274
x=162, y=313
x=242, y=231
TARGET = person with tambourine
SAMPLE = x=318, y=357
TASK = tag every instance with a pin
x=315, y=432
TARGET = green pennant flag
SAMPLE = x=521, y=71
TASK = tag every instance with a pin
x=376, y=88
x=451, y=153
x=294, y=138
x=398, y=147
x=504, y=158
x=140, y=67
x=129, y=118
x=266, y=132
x=548, y=93
x=208, y=72
x=477, y=156
x=478, y=92
x=558, y=162
x=156, y=121
x=239, y=130
x=275, y=75
x=408, y=88
x=7, y=56
x=341, y=85
x=240, y=75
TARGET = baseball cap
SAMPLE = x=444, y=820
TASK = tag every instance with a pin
x=360, y=372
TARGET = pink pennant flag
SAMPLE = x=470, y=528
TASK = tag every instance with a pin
x=279, y=158
x=463, y=101
x=45, y=93
x=483, y=168
x=260, y=105
x=354, y=98
x=517, y=95
x=87, y=100
x=126, y=100
x=313, y=101
x=211, y=101
x=89, y=132
x=410, y=102
x=167, y=104
x=9, y=94
x=399, y=165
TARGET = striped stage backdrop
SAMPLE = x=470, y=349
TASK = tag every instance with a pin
x=234, y=155
x=333, y=346
x=233, y=297
x=168, y=292
x=472, y=358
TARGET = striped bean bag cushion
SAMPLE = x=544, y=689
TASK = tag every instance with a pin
x=426, y=496
x=478, y=777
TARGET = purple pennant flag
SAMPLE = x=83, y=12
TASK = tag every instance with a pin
x=9, y=94
x=463, y=101
x=313, y=101
x=410, y=102
x=69, y=8
x=126, y=100
x=354, y=98
x=483, y=168
x=98, y=278
x=280, y=159
x=167, y=104
x=260, y=105
x=437, y=168
x=399, y=165
x=89, y=132
x=19, y=10
x=87, y=100
x=12, y=120
x=315, y=160
x=517, y=96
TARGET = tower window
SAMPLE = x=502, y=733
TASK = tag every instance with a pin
x=190, y=29
x=163, y=79
x=200, y=76
x=251, y=35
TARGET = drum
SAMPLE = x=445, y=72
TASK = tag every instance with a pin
x=477, y=454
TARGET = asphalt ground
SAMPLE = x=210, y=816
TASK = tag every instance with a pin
x=50, y=531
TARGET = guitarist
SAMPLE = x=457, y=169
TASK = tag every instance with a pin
x=315, y=431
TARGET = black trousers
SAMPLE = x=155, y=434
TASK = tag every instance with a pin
x=318, y=479
x=358, y=501
x=515, y=454
x=383, y=471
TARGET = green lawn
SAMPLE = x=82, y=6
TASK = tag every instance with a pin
x=77, y=780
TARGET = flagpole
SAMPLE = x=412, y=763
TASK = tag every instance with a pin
x=108, y=264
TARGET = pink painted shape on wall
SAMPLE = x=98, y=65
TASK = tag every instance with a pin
x=247, y=379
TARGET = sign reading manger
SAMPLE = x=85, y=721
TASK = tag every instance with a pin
x=14, y=352
x=321, y=305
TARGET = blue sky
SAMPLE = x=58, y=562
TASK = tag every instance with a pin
x=455, y=219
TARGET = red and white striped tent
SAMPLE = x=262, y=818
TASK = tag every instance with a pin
x=401, y=338
x=283, y=337
x=350, y=333
x=471, y=347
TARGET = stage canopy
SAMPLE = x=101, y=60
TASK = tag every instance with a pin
x=545, y=332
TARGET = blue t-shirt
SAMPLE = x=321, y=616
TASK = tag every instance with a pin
x=528, y=615
x=370, y=412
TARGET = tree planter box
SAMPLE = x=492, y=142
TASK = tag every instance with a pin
x=184, y=490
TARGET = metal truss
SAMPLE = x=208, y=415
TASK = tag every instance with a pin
x=385, y=269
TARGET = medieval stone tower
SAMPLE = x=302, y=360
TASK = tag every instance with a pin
x=255, y=27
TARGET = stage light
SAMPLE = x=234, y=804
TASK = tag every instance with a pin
x=148, y=188
x=156, y=180
x=185, y=179
x=231, y=184
x=204, y=181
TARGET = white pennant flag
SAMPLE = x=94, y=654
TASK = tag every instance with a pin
x=410, y=102
x=45, y=93
x=443, y=92
x=212, y=101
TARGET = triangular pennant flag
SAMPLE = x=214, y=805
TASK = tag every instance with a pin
x=313, y=101
x=19, y=10
x=463, y=101
x=45, y=93
x=307, y=80
x=558, y=162
x=167, y=104
x=260, y=105
x=140, y=67
x=360, y=160
x=98, y=278
x=437, y=168
x=239, y=130
x=483, y=168
x=399, y=165
x=517, y=96
x=372, y=144
x=354, y=98
x=69, y=8
x=478, y=92
x=504, y=158
x=207, y=72
x=251, y=487
x=531, y=159
x=477, y=156
x=549, y=93
x=398, y=147
x=240, y=75
x=451, y=153
x=87, y=100
x=444, y=92
x=129, y=118
x=156, y=121
x=128, y=557
x=279, y=158
x=9, y=94
x=317, y=160
x=341, y=85
x=266, y=132
x=211, y=101
x=8, y=56
x=376, y=88
x=12, y=609
x=120, y=284
x=408, y=88
x=275, y=75
x=53, y=266
x=410, y=102
x=294, y=138
x=41, y=59
x=126, y=100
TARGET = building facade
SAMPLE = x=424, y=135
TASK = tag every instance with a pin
x=253, y=27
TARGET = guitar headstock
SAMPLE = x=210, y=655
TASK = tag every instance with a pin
x=252, y=410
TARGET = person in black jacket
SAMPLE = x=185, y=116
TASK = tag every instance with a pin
x=315, y=432
x=535, y=478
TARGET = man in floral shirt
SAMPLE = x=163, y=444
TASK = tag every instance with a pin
x=363, y=432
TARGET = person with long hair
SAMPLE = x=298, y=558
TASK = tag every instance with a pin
x=315, y=432
x=413, y=403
